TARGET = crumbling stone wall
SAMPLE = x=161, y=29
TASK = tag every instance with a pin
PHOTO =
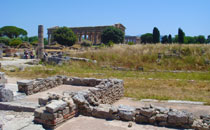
x=97, y=101
x=56, y=109
x=30, y=87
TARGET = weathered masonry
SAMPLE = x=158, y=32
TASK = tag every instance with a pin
x=87, y=33
x=133, y=39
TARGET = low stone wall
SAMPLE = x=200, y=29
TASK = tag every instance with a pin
x=56, y=109
x=96, y=102
x=30, y=87
x=55, y=113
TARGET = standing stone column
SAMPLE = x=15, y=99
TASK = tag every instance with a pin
x=41, y=42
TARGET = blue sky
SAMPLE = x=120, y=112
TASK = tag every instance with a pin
x=139, y=16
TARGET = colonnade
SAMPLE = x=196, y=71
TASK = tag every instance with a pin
x=94, y=37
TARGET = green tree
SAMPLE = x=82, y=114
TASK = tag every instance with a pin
x=64, y=36
x=175, y=39
x=112, y=34
x=181, y=36
x=147, y=38
x=169, y=38
x=208, y=39
x=200, y=39
x=164, y=39
x=12, y=31
x=5, y=40
x=1, y=33
x=15, y=42
x=156, y=35
x=189, y=40
x=33, y=38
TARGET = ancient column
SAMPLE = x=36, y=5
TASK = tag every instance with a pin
x=96, y=38
x=85, y=38
x=40, y=48
x=93, y=38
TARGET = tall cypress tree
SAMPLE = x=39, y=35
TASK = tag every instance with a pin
x=156, y=35
x=181, y=36
x=169, y=38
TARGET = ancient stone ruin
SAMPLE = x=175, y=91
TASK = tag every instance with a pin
x=40, y=49
x=6, y=95
x=88, y=33
x=97, y=102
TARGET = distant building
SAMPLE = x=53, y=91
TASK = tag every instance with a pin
x=87, y=33
x=134, y=39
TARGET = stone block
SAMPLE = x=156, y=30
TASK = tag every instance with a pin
x=55, y=106
x=25, y=82
x=126, y=113
x=6, y=95
x=47, y=116
x=43, y=101
x=147, y=112
x=161, y=117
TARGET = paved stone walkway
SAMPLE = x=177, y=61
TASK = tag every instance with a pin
x=18, y=121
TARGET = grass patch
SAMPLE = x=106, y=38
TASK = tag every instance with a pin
x=193, y=86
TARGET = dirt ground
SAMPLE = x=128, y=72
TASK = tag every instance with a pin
x=90, y=123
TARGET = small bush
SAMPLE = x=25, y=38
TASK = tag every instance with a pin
x=130, y=43
x=5, y=40
x=110, y=43
x=86, y=43
x=15, y=42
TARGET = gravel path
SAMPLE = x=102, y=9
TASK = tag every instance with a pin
x=14, y=62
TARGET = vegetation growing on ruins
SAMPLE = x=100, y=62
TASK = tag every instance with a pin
x=64, y=36
x=15, y=42
x=112, y=34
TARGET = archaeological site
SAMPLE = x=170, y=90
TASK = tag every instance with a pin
x=104, y=65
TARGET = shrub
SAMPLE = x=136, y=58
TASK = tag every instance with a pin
x=5, y=40
x=64, y=36
x=147, y=38
x=15, y=42
x=130, y=43
x=112, y=34
x=86, y=43
x=110, y=44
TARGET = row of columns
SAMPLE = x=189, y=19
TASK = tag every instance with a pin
x=130, y=40
x=94, y=37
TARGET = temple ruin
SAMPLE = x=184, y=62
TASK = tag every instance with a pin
x=134, y=39
x=92, y=34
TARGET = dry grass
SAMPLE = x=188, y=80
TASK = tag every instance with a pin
x=192, y=57
x=193, y=86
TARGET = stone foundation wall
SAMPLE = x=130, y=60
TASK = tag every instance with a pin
x=97, y=102
x=56, y=109
x=55, y=113
x=30, y=87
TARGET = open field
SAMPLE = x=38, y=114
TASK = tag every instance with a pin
x=192, y=83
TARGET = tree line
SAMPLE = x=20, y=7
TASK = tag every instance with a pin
x=168, y=39
x=14, y=36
